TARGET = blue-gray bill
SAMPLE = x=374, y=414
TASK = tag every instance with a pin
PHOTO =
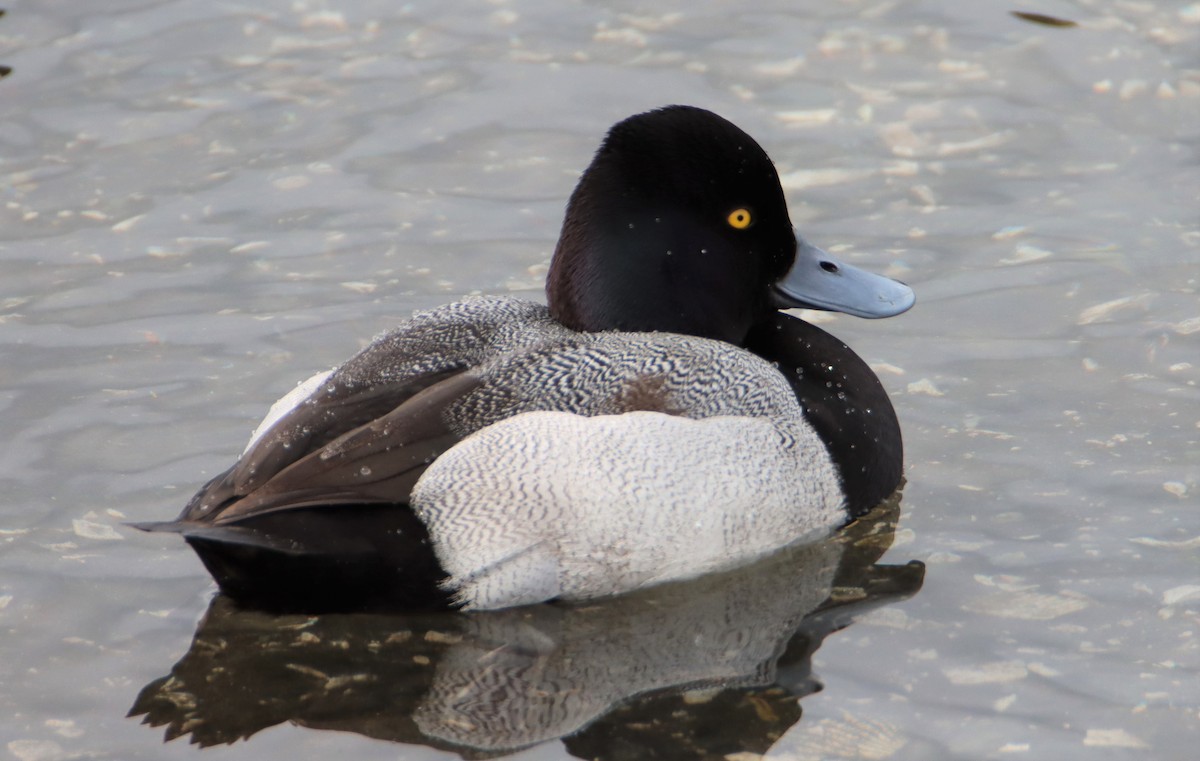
x=819, y=281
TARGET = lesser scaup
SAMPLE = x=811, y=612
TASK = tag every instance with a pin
x=658, y=420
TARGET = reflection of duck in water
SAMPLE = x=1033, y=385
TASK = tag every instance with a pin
x=661, y=419
x=667, y=667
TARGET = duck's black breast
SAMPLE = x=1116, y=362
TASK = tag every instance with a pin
x=844, y=402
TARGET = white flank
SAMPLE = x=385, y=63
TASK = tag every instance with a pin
x=551, y=504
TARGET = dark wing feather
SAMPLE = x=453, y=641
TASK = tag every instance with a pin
x=361, y=448
x=329, y=413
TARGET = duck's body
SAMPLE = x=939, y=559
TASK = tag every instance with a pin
x=497, y=452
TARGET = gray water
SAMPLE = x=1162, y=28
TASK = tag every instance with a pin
x=203, y=203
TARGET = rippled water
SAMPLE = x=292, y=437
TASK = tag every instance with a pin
x=204, y=202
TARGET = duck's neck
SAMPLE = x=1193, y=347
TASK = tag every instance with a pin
x=843, y=400
x=649, y=293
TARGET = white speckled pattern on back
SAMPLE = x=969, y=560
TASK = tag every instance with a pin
x=463, y=334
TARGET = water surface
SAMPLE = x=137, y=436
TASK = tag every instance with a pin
x=203, y=203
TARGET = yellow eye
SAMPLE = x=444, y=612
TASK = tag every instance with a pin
x=739, y=219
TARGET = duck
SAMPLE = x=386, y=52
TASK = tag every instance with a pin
x=660, y=417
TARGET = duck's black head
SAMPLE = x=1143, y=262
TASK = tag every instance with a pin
x=680, y=224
